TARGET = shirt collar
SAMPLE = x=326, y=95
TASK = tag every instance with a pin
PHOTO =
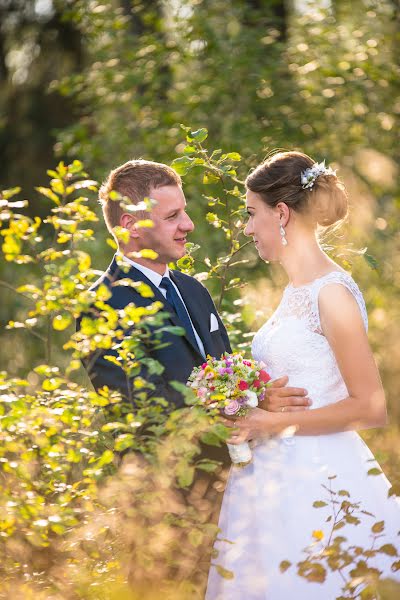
x=154, y=277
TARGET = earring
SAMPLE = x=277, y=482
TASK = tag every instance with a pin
x=283, y=234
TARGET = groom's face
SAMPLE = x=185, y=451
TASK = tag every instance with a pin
x=171, y=224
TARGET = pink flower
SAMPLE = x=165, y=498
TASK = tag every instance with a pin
x=264, y=376
x=243, y=385
x=204, y=365
x=247, y=363
x=232, y=408
x=256, y=383
x=225, y=370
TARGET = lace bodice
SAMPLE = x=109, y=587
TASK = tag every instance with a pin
x=292, y=342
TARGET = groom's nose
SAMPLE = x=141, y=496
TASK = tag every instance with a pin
x=186, y=223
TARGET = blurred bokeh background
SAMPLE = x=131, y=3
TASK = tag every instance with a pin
x=106, y=81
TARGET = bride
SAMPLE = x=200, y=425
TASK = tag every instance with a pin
x=318, y=337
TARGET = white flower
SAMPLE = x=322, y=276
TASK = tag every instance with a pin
x=251, y=399
x=309, y=176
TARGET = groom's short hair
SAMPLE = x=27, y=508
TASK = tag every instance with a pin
x=134, y=180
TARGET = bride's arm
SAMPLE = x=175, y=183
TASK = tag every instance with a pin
x=365, y=405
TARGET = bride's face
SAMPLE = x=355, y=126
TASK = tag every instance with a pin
x=263, y=226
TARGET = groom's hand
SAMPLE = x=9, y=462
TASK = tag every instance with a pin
x=280, y=398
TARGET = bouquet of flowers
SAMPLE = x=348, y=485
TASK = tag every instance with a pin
x=233, y=385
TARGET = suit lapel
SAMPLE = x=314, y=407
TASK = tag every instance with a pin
x=196, y=311
x=118, y=273
x=136, y=275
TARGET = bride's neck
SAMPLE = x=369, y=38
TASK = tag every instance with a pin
x=304, y=260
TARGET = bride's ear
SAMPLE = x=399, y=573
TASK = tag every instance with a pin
x=283, y=213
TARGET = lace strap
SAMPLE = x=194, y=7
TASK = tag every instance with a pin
x=347, y=281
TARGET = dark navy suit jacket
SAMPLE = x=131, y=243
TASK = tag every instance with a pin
x=178, y=356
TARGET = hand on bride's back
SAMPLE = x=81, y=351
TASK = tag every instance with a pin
x=280, y=398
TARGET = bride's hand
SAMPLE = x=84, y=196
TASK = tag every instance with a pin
x=257, y=423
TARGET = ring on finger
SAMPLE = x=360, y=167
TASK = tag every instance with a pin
x=283, y=409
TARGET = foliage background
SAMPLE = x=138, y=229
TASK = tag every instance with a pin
x=107, y=81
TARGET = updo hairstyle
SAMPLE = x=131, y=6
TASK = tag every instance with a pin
x=278, y=179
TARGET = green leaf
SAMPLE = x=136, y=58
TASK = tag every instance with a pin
x=207, y=465
x=76, y=167
x=374, y=471
x=182, y=165
x=371, y=261
x=211, y=439
x=195, y=537
x=210, y=177
x=175, y=330
x=124, y=441
x=378, y=527
x=185, y=473
x=388, y=549
x=199, y=135
x=106, y=458
x=224, y=572
x=233, y=156
x=319, y=504
x=285, y=565
x=312, y=571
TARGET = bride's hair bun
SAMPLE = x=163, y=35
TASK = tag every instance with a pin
x=327, y=200
x=279, y=179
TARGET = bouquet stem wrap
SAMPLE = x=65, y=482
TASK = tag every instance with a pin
x=240, y=453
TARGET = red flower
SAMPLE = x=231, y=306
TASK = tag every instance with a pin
x=204, y=365
x=243, y=385
x=264, y=376
x=256, y=383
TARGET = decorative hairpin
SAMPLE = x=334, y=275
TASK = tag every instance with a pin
x=309, y=176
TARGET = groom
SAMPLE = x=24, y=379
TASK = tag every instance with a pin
x=187, y=302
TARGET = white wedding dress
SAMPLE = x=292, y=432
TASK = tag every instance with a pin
x=267, y=513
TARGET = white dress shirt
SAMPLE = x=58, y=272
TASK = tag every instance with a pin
x=155, y=279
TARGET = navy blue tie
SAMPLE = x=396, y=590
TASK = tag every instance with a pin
x=179, y=308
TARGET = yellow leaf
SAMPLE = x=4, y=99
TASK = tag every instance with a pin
x=144, y=223
x=145, y=253
x=61, y=322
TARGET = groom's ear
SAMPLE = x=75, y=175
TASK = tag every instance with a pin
x=128, y=221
